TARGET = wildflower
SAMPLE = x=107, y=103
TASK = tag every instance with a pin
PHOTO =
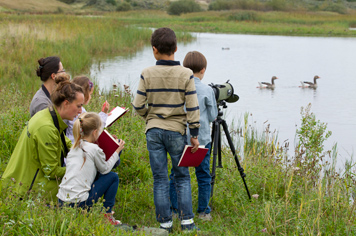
x=296, y=168
x=115, y=90
x=255, y=196
x=116, y=95
x=264, y=230
x=13, y=180
x=114, y=85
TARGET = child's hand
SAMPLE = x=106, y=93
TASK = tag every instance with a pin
x=121, y=143
x=106, y=107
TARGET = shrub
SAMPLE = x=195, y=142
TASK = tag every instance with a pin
x=219, y=5
x=310, y=147
x=278, y=5
x=124, y=6
x=243, y=16
x=112, y=2
x=336, y=7
x=183, y=6
x=68, y=1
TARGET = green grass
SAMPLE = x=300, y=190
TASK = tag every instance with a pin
x=291, y=196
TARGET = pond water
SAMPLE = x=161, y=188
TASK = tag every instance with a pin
x=246, y=60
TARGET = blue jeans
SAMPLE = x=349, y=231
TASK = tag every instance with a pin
x=105, y=185
x=159, y=142
x=204, y=185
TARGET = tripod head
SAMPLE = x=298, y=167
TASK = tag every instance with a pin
x=221, y=105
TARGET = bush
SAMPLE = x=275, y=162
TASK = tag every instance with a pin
x=336, y=7
x=219, y=5
x=68, y=1
x=183, y=6
x=112, y=2
x=243, y=16
x=278, y=5
x=124, y=6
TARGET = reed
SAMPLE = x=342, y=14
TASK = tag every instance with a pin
x=286, y=200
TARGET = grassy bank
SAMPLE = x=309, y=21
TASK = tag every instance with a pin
x=289, y=198
x=249, y=22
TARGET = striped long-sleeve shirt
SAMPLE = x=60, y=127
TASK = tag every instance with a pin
x=162, y=93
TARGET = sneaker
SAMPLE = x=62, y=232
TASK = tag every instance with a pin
x=170, y=229
x=111, y=218
x=190, y=227
x=205, y=216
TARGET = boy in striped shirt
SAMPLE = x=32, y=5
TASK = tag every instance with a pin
x=163, y=91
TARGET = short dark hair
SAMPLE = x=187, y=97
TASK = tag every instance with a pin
x=47, y=66
x=195, y=61
x=165, y=40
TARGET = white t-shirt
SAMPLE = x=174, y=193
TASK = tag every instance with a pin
x=80, y=175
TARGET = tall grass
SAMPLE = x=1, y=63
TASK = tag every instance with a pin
x=286, y=200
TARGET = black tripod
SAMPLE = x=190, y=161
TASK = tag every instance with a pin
x=216, y=145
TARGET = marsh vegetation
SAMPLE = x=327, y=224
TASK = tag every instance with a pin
x=300, y=195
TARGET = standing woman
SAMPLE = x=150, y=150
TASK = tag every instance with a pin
x=48, y=68
x=35, y=163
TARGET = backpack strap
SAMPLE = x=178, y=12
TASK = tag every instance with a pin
x=55, y=121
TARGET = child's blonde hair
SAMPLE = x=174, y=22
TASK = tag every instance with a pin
x=85, y=83
x=85, y=125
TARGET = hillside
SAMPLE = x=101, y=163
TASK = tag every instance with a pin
x=338, y=6
x=33, y=5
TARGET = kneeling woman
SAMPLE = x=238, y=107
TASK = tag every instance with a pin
x=36, y=163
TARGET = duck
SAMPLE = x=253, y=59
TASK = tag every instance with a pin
x=268, y=85
x=306, y=84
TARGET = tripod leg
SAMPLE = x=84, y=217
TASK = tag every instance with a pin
x=214, y=145
x=219, y=151
x=241, y=170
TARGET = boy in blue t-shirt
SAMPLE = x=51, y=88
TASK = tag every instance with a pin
x=196, y=61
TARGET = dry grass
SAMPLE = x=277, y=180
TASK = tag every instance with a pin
x=33, y=5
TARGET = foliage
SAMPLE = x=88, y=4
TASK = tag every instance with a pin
x=68, y=1
x=309, y=150
x=123, y=6
x=278, y=5
x=283, y=200
x=183, y=6
x=243, y=16
x=335, y=7
x=112, y=2
x=219, y=5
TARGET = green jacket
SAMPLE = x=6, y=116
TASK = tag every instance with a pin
x=39, y=148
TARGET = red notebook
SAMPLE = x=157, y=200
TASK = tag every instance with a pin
x=116, y=113
x=107, y=143
x=192, y=159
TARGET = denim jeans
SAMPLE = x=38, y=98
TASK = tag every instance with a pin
x=105, y=185
x=204, y=185
x=159, y=142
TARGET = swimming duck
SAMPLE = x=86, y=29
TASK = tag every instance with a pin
x=307, y=84
x=268, y=85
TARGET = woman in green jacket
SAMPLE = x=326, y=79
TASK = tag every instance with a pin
x=35, y=163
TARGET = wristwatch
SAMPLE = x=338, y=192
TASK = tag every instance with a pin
x=196, y=136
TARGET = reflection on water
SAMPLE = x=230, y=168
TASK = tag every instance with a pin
x=251, y=59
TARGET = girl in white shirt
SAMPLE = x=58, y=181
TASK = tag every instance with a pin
x=84, y=160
